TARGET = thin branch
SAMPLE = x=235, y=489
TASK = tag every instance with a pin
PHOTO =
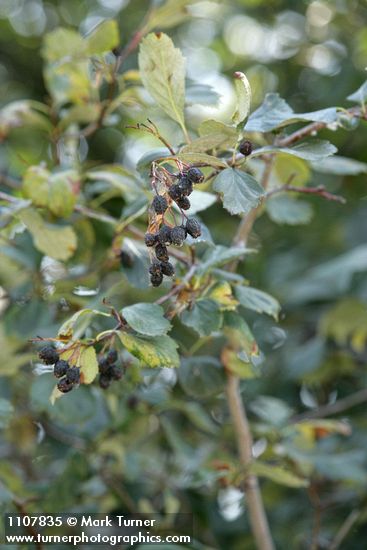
x=320, y=190
x=177, y=289
x=334, y=408
x=344, y=529
x=21, y=507
x=258, y=521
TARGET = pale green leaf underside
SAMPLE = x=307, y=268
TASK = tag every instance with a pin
x=257, y=300
x=162, y=69
x=146, y=319
x=240, y=191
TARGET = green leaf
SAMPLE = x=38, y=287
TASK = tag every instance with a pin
x=68, y=81
x=146, y=319
x=103, y=38
x=201, y=376
x=58, y=242
x=23, y=113
x=162, y=69
x=288, y=210
x=312, y=150
x=347, y=320
x=257, y=300
x=240, y=191
x=239, y=336
x=360, y=95
x=340, y=166
x=61, y=43
x=213, y=135
x=170, y=14
x=243, y=93
x=88, y=365
x=152, y=352
x=201, y=158
x=67, y=329
x=290, y=168
x=278, y=474
x=35, y=185
x=6, y=412
x=238, y=364
x=275, y=113
x=271, y=410
x=220, y=255
x=61, y=199
x=205, y=317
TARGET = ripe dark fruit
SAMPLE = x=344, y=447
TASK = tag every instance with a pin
x=126, y=259
x=60, y=368
x=175, y=191
x=112, y=356
x=193, y=228
x=104, y=381
x=48, y=355
x=156, y=279
x=185, y=186
x=164, y=235
x=178, y=235
x=116, y=372
x=195, y=175
x=64, y=385
x=103, y=365
x=161, y=252
x=159, y=204
x=150, y=239
x=73, y=375
x=155, y=268
x=167, y=269
x=245, y=147
x=184, y=203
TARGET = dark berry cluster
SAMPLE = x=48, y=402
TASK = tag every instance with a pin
x=166, y=235
x=69, y=376
x=108, y=370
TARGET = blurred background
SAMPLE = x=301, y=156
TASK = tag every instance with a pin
x=123, y=450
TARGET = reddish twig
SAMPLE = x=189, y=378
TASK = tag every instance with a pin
x=320, y=190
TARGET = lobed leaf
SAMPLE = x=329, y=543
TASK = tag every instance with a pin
x=240, y=191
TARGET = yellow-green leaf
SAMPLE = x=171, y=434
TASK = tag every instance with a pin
x=35, y=185
x=162, y=69
x=243, y=93
x=152, y=352
x=103, y=38
x=88, y=365
x=278, y=474
x=61, y=200
x=58, y=242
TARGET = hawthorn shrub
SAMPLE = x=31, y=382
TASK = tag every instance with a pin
x=140, y=325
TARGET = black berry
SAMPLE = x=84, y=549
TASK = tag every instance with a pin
x=60, y=368
x=195, y=175
x=159, y=204
x=156, y=279
x=193, y=228
x=161, y=252
x=103, y=365
x=155, y=268
x=150, y=239
x=126, y=259
x=73, y=375
x=167, y=269
x=245, y=147
x=178, y=235
x=48, y=355
x=112, y=356
x=164, y=235
x=104, y=381
x=116, y=373
x=184, y=203
x=64, y=385
x=175, y=191
x=185, y=186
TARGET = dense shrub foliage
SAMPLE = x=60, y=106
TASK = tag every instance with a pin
x=181, y=250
